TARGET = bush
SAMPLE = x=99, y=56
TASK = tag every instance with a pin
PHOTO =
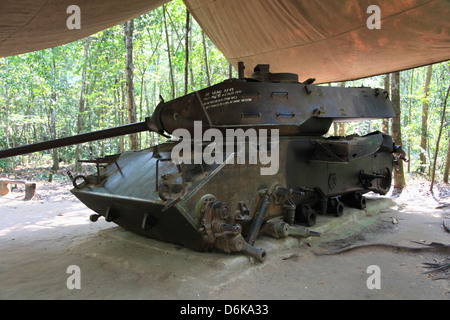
x=5, y=164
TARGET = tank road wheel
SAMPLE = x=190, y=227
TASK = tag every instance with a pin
x=220, y=230
x=201, y=205
x=355, y=200
x=335, y=207
x=384, y=184
x=94, y=217
x=379, y=182
x=306, y=215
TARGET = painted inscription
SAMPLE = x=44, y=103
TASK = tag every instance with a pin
x=220, y=98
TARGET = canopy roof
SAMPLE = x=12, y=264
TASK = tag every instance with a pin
x=324, y=39
x=30, y=25
x=327, y=39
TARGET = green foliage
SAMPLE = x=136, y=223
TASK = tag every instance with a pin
x=5, y=164
x=28, y=81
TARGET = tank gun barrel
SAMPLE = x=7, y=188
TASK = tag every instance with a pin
x=77, y=139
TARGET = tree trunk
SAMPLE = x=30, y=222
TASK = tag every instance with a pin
x=55, y=165
x=439, y=139
x=399, y=176
x=80, y=117
x=342, y=124
x=411, y=81
x=172, y=81
x=385, y=125
x=186, y=63
x=335, y=129
x=342, y=129
x=191, y=70
x=447, y=162
x=8, y=129
x=424, y=131
x=147, y=108
x=131, y=105
x=141, y=103
x=205, y=52
x=123, y=107
x=116, y=108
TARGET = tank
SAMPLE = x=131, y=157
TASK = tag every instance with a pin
x=244, y=157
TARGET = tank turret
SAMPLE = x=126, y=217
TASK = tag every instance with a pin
x=272, y=101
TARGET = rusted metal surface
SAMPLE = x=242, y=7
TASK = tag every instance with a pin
x=220, y=204
x=291, y=107
x=227, y=205
x=81, y=138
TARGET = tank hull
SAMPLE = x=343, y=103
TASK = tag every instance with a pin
x=204, y=206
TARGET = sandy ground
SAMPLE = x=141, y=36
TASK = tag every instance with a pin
x=41, y=238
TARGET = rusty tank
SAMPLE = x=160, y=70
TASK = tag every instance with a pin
x=244, y=157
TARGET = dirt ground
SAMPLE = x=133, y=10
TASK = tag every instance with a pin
x=40, y=239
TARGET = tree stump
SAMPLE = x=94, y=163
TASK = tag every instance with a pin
x=30, y=187
x=4, y=190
